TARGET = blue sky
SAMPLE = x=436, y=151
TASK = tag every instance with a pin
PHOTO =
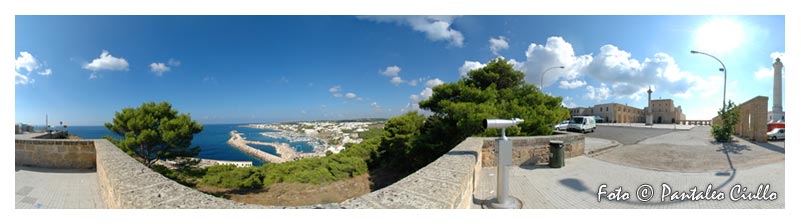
x=243, y=69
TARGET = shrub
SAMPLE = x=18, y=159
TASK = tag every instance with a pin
x=729, y=117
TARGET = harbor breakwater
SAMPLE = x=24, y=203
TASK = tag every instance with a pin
x=285, y=152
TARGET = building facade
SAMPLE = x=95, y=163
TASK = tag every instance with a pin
x=663, y=110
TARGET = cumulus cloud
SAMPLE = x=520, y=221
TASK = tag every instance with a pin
x=498, y=44
x=26, y=64
x=469, y=66
x=335, y=89
x=555, y=52
x=396, y=80
x=564, y=84
x=350, y=95
x=159, y=68
x=107, y=62
x=436, y=28
x=26, y=61
x=20, y=79
x=628, y=76
x=391, y=70
x=598, y=94
x=434, y=82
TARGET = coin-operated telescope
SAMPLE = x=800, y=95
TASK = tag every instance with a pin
x=503, y=157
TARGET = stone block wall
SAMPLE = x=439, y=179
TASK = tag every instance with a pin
x=753, y=123
x=51, y=153
x=533, y=150
x=445, y=183
x=126, y=183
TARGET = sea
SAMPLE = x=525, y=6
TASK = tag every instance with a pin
x=212, y=141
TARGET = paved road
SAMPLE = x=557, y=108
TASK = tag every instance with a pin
x=576, y=186
x=627, y=135
x=692, y=151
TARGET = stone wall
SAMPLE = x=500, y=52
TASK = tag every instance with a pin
x=52, y=153
x=445, y=183
x=752, y=124
x=533, y=150
x=126, y=183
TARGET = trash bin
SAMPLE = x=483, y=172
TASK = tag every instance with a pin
x=557, y=155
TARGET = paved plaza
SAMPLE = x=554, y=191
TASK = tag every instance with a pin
x=648, y=158
x=55, y=188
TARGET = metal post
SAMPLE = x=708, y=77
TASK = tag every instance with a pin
x=503, y=150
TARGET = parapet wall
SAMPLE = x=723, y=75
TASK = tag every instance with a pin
x=533, y=150
x=54, y=153
x=126, y=183
x=445, y=183
x=448, y=182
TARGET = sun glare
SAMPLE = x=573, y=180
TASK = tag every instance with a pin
x=719, y=36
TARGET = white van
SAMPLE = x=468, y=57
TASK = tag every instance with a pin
x=582, y=124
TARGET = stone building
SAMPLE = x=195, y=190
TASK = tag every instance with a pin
x=618, y=113
x=665, y=112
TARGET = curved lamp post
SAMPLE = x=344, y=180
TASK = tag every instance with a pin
x=542, y=76
x=721, y=69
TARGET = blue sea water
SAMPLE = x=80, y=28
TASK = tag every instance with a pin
x=212, y=141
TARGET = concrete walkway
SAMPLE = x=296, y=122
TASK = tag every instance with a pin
x=593, y=146
x=576, y=185
x=693, y=151
x=56, y=188
x=682, y=160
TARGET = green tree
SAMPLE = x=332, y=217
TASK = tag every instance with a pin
x=729, y=116
x=154, y=131
x=494, y=91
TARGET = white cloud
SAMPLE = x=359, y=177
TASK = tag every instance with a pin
x=396, y=80
x=469, y=66
x=763, y=73
x=21, y=79
x=598, y=94
x=556, y=52
x=568, y=98
x=337, y=95
x=498, y=44
x=159, y=68
x=391, y=71
x=107, y=62
x=27, y=61
x=46, y=72
x=436, y=28
x=174, y=62
x=413, y=82
x=628, y=76
x=571, y=84
x=335, y=89
x=434, y=82
x=350, y=95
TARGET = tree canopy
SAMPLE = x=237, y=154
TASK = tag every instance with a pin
x=154, y=131
x=495, y=91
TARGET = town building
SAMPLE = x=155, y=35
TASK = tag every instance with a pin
x=663, y=110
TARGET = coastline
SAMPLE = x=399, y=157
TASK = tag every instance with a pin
x=240, y=143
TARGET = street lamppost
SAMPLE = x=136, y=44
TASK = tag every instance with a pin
x=721, y=69
x=542, y=76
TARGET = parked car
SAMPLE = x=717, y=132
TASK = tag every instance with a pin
x=561, y=126
x=582, y=124
x=776, y=134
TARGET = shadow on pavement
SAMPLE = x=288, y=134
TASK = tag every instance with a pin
x=771, y=147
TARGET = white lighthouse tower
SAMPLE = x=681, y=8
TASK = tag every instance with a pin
x=777, y=115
